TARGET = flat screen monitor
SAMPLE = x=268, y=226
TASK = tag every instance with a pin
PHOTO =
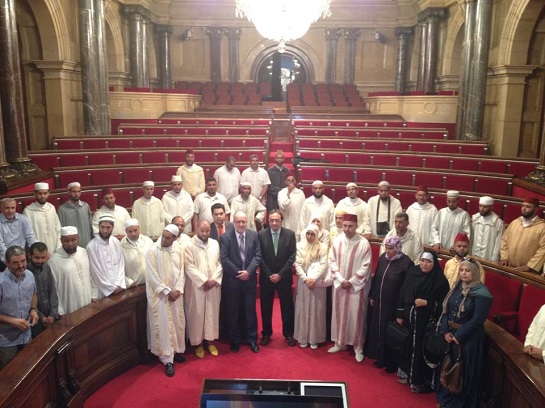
x=326, y=390
x=269, y=401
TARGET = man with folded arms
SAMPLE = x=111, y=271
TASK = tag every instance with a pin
x=106, y=260
x=523, y=242
x=192, y=175
x=76, y=213
x=202, y=290
x=71, y=273
x=135, y=246
x=350, y=263
x=18, y=302
x=165, y=281
x=448, y=222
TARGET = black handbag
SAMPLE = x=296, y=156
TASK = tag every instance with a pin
x=398, y=338
x=434, y=345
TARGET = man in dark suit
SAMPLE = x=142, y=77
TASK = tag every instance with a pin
x=219, y=226
x=240, y=258
x=278, y=248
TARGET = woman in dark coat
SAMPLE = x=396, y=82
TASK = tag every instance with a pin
x=392, y=268
x=464, y=311
x=420, y=302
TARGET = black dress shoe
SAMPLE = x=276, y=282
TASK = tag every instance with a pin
x=179, y=358
x=254, y=347
x=265, y=340
x=169, y=369
x=291, y=341
x=391, y=370
x=234, y=347
x=378, y=364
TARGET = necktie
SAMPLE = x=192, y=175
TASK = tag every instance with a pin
x=220, y=230
x=275, y=242
x=242, y=248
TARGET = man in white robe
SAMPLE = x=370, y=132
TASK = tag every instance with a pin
x=71, y=274
x=350, y=263
x=203, y=203
x=290, y=203
x=192, y=175
x=202, y=294
x=178, y=202
x=228, y=179
x=149, y=211
x=380, y=213
x=421, y=213
x=448, y=222
x=135, y=247
x=44, y=219
x=249, y=205
x=183, y=238
x=117, y=212
x=486, y=231
x=258, y=178
x=164, y=289
x=76, y=213
x=106, y=260
x=411, y=243
x=352, y=204
x=317, y=203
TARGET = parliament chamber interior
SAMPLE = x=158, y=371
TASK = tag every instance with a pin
x=111, y=93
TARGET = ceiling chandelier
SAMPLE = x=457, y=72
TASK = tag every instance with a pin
x=282, y=20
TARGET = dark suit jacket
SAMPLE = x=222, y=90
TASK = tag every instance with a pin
x=230, y=255
x=283, y=261
x=214, y=230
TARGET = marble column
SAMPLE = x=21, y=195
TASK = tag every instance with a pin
x=331, y=37
x=164, y=33
x=433, y=16
x=350, y=37
x=215, y=34
x=233, y=35
x=465, y=77
x=403, y=35
x=146, y=21
x=138, y=16
x=7, y=174
x=102, y=67
x=479, y=70
x=422, y=40
x=11, y=95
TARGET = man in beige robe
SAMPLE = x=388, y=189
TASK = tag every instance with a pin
x=523, y=242
x=249, y=205
x=203, y=290
x=192, y=175
x=350, y=263
x=165, y=281
x=410, y=241
x=178, y=202
x=149, y=211
x=352, y=204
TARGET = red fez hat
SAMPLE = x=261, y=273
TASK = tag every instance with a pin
x=106, y=191
x=422, y=188
x=350, y=217
x=532, y=200
x=461, y=237
x=189, y=151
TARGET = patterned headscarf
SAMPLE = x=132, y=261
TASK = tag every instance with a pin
x=394, y=242
x=466, y=287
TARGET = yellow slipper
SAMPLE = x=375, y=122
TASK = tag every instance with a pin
x=213, y=350
x=199, y=351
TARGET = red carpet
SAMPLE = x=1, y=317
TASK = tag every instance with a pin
x=147, y=386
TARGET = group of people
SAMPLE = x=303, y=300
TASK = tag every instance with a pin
x=201, y=267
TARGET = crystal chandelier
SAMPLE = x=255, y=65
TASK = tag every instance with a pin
x=282, y=20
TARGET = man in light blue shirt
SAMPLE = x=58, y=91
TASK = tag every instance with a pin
x=15, y=229
x=18, y=302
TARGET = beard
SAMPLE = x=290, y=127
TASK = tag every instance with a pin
x=70, y=251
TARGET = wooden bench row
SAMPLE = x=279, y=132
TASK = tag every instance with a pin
x=69, y=158
x=480, y=164
x=399, y=145
x=160, y=142
x=363, y=123
x=193, y=119
x=193, y=130
x=387, y=133
x=482, y=183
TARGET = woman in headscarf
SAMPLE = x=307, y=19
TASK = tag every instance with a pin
x=392, y=268
x=311, y=265
x=323, y=234
x=420, y=302
x=464, y=312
